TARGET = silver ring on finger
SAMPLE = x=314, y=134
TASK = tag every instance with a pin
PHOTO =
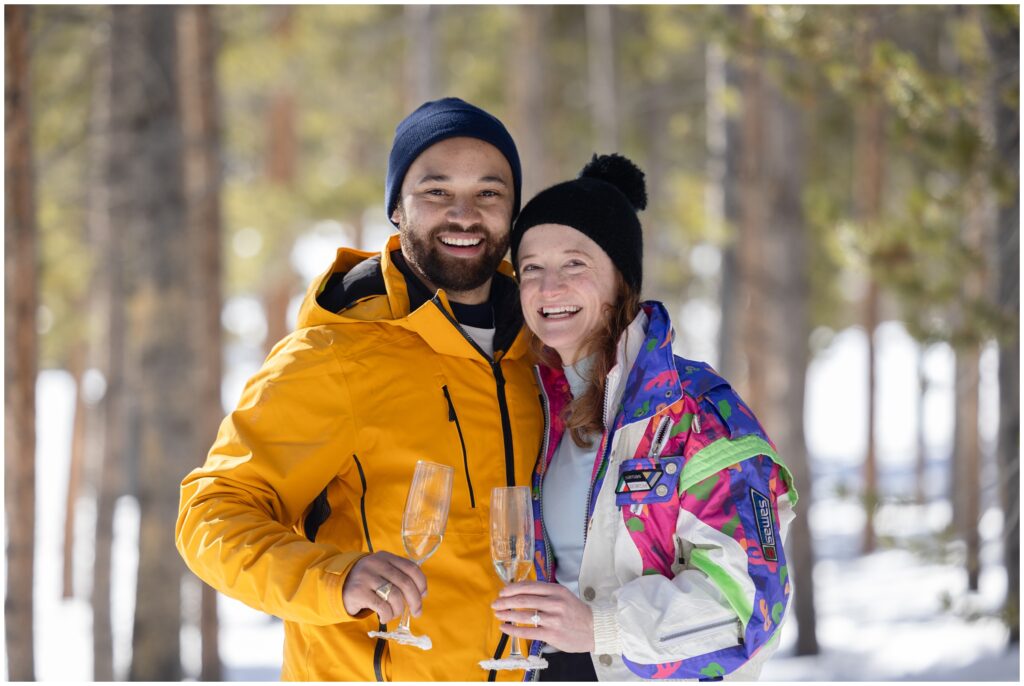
x=384, y=590
x=535, y=618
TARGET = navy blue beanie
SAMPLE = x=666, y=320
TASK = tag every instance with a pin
x=435, y=121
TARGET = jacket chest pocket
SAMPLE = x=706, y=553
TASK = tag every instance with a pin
x=648, y=503
x=453, y=419
x=647, y=481
x=465, y=516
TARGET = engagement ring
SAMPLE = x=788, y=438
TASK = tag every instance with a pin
x=384, y=590
x=535, y=619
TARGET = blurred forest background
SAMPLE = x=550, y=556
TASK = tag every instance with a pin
x=176, y=175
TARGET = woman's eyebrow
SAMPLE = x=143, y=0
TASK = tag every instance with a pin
x=571, y=251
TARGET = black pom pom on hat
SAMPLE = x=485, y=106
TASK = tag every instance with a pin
x=601, y=203
x=620, y=172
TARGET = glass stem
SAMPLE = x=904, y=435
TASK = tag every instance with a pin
x=403, y=624
x=515, y=652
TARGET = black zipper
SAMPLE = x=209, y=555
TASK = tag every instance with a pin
x=506, y=425
x=362, y=504
x=453, y=417
x=493, y=674
x=378, y=653
x=499, y=378
x=506, y=431
x=378, y=650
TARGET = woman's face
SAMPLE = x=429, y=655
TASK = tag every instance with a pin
x=565, y=282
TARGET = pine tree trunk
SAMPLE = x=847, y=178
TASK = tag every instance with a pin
x=76, y=366
x=106, y=197
x=774, y=303
x=601, y=76
x=921, y=459
x=661, y=248
x=21, y=282
x=528, y=83
x=868, y=175
x=753, y=221
x=870, y=488
x=282, y=147
x=148, y=150
x=725, y=152
x=978, y=229
x=200, y=124
x=968, y=391
x=420, y=65
x=968, y=457
x=1003, y=35
x=281, y=166
x=785, y=345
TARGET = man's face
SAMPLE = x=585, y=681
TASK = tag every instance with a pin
x=455, y=212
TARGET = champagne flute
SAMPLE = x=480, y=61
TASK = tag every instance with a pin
x=512, y=541
x=423, y=525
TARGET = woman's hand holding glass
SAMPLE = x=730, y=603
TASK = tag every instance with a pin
x=512, y=541
x=558, y=617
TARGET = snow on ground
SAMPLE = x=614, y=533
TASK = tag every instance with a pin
x=881, y=618
x=900, y=614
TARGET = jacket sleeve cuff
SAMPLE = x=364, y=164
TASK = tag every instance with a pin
x=606, y=629
x=336, y=582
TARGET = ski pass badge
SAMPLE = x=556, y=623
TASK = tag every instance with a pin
x=765, y=525
x=638, y=480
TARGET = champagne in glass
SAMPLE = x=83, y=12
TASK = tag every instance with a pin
x=512, y=553
x=423, y=524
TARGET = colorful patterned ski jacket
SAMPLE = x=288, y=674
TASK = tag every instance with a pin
x=310, y=472
x=683, y=564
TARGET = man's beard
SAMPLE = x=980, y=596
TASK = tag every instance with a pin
x=446, y=271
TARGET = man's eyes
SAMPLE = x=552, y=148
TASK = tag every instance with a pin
x=441, y=192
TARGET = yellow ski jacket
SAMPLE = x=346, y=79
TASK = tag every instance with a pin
x=311, y=471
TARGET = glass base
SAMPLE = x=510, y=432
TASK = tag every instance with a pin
x=404, y=637
x=528, y=662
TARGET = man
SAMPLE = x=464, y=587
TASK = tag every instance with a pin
x=416, y=352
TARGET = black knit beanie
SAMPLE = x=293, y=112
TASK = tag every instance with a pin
x=602, y=203
x=435, y=121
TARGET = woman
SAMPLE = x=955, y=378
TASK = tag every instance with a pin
x=660, y=500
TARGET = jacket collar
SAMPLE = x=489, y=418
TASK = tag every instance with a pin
x=653, y=381
x=629, y=347
x=433, y=320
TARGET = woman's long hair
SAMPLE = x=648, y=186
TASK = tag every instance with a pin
x=584, y=416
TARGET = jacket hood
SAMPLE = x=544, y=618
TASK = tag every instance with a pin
x=362, y=286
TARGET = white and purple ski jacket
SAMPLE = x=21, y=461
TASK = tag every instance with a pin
x=683, y=564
